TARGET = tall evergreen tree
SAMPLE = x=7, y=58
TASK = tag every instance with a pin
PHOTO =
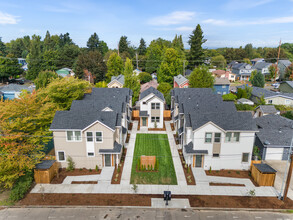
x=65, y=39
x=258, y=80
x=142, y=47
x=123, y=44
x=93, y=42
x=196, y=53
x=103, y=47
x=34, y=58
x=2, y=48
x=249, y=51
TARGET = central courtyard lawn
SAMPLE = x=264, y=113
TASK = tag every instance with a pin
x=153, y=145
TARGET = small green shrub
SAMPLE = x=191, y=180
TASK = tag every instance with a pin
x=97, y=168
x=118, y=169
x=80, y=169
x=244, y=107
x=115, y=179
x=117, y=175
x=238, y=172
x=229, y=171
x=70, y=164
x=210, y=170
x=21, y=186
x=229, y=97
x=90, y=170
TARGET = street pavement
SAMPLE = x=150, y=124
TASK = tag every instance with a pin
x=134, y=213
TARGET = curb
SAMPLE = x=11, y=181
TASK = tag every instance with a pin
x=149, y=207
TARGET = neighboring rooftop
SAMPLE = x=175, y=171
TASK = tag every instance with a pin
x=119, y=78
x=290, y=83
x=221, y=81
x=154, y=91
x=267, y=109
x=259, y=92
x=15, y=88
x=153, y=83
x=260, y=65
x=285, y=62
x=180, y=79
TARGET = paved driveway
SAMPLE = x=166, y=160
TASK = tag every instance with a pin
x=280, y=166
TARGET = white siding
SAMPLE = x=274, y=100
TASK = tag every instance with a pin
x=274, y=153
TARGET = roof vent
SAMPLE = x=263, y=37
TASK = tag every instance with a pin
x=267, y=142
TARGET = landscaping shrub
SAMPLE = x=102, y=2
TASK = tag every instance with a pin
x=229, y=97
x=118, y=169
x=97, y=168
x=288, y=114
x=21, y=186
x=283, y=108
x=90, y=170
x=70, y=164
x=138, y=164
x=244, y=107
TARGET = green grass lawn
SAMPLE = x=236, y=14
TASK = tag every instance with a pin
x=153, y=145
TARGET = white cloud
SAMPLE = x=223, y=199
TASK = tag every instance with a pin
x=176, y=17
x=6, y=18
x=262, y=21
x=184, y=28
x=245, y=4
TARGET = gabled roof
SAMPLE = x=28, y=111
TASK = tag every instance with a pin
x=274, y=130
x=119, y=79
x=89, y=110
x=220, y=72
x=260, y=65
x=180, y=79
x=240, y=66
x=286, y=63
x=257, y=59
x=290, y=83
x=153, y=83
x=221, y=81
x=267, y=109
x=151, y=90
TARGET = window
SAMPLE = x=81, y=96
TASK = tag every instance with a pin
x=90, y=154
x=99, y=136
x=270, y=101
x=224, y=93
x=223, y=87
x=228, y=137
x=155, y=119
x=61, y=156
x=245, y=157
x=217, y=137
x=153, y=105
x=216, y=155
x=157, y=105
x=73, y=135
x=236, y=136
x=208, y=138
x=89, y=136
x=287, y=101
x=144, y=103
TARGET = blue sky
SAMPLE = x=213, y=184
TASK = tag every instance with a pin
x=224, y=22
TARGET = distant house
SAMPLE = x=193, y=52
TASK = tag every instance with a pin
x=154, y=76
x=242, y=71
x=116, y=82
x=151, y=108
x=137, y=72
x=153, y=83
x=286, y=86
x=12, y=91
x=65, y=72
x=262, y=67
x=244, y=101
x=231, y=64
x=180, y=82
x=270, y=97
x=274, y=137
x=23, y=63
x=257, y=60
x=224, y=74
x=263, y=110
x=221, y=86
x=187, y=72
x=282, y=65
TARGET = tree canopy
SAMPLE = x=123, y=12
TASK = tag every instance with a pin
x=200, y=77
x=258, y=80
x=114, y=65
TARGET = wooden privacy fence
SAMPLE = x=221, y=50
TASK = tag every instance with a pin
x=263, y=174
x=135, y=114
x=167, y=115
x=45, y=171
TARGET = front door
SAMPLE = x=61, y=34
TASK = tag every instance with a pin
x=107, y=160
x=144, y=121
x=198, y=160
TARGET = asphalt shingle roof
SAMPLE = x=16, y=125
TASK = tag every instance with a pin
x=117, y=149
x=45, y=164
x=285, y=62
x=180, y=79
x=265, y=168
x=221, y=81
x=90, y=109
x=119, y=78
x=268, y=109
x=152, y=90
x=260, y=65
x=189, y=149
x=15, y=88
x=290, y=83
x=259, y=92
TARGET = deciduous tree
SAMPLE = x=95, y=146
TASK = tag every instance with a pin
x=114, y=65
x=44, y=78
x=200, y=77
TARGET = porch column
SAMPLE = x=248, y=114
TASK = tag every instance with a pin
x=117, y=159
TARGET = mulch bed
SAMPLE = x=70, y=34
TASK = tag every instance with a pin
x=172, y=126
x=158, y=129
x=116, y=173
x=63, y=173
x=130, y=126
x=232, y=173
x=84, y=182
x=176, y=139
x=138, y=125
x=187, y=171
x=127, y=138
x=145, y=200
x=167, y=118
x=226, y=184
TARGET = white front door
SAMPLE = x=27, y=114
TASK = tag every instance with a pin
x=90, y=146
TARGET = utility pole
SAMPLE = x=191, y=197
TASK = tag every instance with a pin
x=183, y=74
x=288, y=178
x=118, y=49
x=136, y=61
x=278, y=60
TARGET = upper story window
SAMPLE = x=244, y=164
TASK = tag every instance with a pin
x=270, y=101
x=155, y=105
x=232, y=137
x=208, y=138
x=223, y=86
x=144, y=103
x=89, y=136
x=217, y=137
x=99, y=136
x=73, y=135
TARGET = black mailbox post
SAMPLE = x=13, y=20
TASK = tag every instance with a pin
x=167, y=196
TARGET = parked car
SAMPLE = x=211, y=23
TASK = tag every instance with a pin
x=276, y=85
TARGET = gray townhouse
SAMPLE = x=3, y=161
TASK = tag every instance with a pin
x=242, y=71
x=94, y=130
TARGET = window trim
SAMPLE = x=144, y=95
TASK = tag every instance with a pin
x=210, y=138
x=226, y=141
x=217, y=137
x=73, y=136
x=87, y=154
x=247, y=157
x=96, y=137
x=87, y=136
x=58, y=156
x=153, y=103
x=232, y=137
